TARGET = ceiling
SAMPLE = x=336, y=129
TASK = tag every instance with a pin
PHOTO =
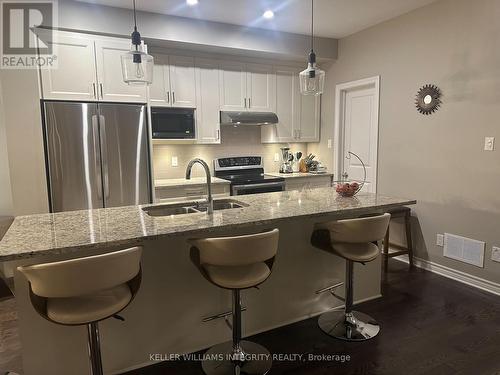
x=333, y=18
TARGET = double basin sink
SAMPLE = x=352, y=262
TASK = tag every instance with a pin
x=191, y=207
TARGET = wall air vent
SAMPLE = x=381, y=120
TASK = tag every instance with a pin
x=464, y=249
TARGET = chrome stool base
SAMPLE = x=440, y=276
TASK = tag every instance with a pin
x=354, y=326
x=221, y=360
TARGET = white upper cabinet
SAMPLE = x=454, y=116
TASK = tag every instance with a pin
x=309, y=119
x=109, y=72
x=74, y=78
x=89, y=68
x=247, y=87
x=207, y=91
x=174, y=82
x=261, y=88
x=233, y=86
x=182, y=81
x=159, y=90
x=298, y=115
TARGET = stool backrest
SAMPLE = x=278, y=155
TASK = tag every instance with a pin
x=238, y=250
x=83, y=276
x=360, y=230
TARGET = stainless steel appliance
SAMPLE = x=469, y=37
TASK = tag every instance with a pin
x=97, y=155
x=248, y=118
x=172, y=123
x=286, y=160
x=246, y=174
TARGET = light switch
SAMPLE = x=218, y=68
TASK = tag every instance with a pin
x=175, y=161
x=440, y=240
x=276, y=156
x=495, y=254
x=489, y=144
x=329, y=143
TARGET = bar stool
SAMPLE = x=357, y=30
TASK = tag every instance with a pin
x=236, y=263
x=404, y=212
x=85, y=291
x=352, y=240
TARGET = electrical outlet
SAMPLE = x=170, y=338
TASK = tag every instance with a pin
x=495, y=254
x=329, y=143
x=489, y=144
x=175, y=161
x=440, y=240
x=277, y=157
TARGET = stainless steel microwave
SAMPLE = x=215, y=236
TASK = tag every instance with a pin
x=172, y=123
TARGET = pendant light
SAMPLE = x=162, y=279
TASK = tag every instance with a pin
x=137, y=65
x=312, y=79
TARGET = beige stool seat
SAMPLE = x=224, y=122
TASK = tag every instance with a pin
x=236, y=263
x=238, y=277
x=84, y=291
x=91, y=308
x=353, y=240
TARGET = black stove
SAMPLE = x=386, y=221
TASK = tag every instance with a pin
x=247, y=176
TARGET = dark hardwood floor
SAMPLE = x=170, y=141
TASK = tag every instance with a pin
x=429, y=325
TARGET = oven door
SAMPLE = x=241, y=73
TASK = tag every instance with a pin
x=267, y=187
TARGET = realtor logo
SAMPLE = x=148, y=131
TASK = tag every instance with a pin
x=27, y=34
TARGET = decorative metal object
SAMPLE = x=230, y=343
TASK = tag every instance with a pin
x=428, y=99
x=349, y=188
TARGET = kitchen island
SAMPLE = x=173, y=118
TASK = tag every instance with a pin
x=166, y=316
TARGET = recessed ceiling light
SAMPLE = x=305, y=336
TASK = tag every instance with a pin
x=268, y=14
x=191, y=2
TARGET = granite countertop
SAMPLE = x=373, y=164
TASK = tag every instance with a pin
x=173, y=182
x=77, y=231
x=299, y=174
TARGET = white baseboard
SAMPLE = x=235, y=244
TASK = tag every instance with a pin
x=465, y=278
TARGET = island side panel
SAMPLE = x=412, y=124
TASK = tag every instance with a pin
x=166, y=316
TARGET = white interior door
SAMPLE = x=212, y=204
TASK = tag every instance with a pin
x=360, y=135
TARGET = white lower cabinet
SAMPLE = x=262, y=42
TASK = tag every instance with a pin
x=308, y=182
x=207, y=91
x=174, y=194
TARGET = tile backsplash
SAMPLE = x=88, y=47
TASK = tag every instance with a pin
x=239, y=141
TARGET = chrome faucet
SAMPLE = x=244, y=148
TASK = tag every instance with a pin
x=205, y=166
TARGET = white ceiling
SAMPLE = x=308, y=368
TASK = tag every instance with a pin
x=333, y=18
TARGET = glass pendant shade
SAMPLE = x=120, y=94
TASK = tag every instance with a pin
x=312, y=80
x=137, y=66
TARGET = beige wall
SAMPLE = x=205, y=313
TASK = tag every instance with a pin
x=24, y=141
x=6, y=208
x=240, y=141
x=436, y=159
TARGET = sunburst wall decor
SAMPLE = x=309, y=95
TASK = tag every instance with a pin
x=428, y=99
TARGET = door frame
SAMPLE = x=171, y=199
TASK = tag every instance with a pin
x=340, y=93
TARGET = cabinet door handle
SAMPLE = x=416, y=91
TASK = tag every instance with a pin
x=168, y=96
x=102, y=95
x=245, y=102
x=249, y=103
x=218, y=134
x=173, y=97
x=93, y=89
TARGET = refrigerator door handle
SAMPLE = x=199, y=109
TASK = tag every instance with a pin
x=104, y=157
x=97, y=156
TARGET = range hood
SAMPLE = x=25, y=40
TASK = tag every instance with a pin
x=248, y=118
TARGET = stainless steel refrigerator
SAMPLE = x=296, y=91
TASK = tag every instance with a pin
x=97, y=155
